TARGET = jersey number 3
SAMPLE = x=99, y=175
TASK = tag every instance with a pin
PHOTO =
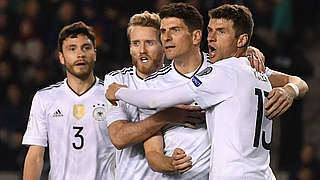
x=78, y=135
x=259, y=118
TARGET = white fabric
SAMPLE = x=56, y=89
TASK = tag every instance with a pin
x=230, y=92
x=131, y=162
x=268, y=71
x=230, y=96
x=145, y=98
x=195, y=142
x=75, y=129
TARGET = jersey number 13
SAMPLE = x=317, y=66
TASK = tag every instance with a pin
x=261, y=96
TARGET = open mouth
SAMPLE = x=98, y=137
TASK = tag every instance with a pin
x=169, y=47
x=212, y=51
x=144, y=59
x=81, y=63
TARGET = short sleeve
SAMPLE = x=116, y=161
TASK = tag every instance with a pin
x=116, y=113
x=36, y=133
x=109, y=79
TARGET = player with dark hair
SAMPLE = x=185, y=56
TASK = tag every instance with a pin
x=69, y=117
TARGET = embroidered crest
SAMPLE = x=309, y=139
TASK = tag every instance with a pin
x=99, y=113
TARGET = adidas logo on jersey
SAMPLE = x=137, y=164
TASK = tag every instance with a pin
x=57, y=113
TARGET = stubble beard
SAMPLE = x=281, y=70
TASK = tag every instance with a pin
x=146, y=69
x=83, y=75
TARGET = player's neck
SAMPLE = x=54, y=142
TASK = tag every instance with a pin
x=78, y=85
x=240, y=52
x=188, y=63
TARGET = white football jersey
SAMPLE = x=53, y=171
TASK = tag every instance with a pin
x=234, y=95
x=131, y=162
x=75, y=129
x=195, y=142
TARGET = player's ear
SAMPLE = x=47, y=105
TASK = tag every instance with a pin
x=196, y=36
x=242, y=40
x=61, y=57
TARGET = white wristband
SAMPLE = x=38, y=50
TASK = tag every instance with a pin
x=295, y=88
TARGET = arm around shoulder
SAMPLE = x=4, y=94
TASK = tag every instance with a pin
x=33, y=163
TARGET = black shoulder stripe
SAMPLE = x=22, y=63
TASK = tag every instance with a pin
x=160, y=70
x=207, y=58
x=58, y=84
x=123, y=71
x=152, y=76
x=101, y=82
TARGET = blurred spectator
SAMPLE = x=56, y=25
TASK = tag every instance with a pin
x=6, y=77
x=65, y=14
x=307, y=166
x=38, y=80
x=13, y=120
x=28, y=46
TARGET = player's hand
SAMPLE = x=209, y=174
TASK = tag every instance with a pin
x=256, y=58
x=180, y=161
x=111, y=92
x=183, y=117
x=280, y=100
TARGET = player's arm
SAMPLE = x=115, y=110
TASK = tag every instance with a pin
x=279, y=79
x=157, y=161
x=124, y=133
x=285, y=89
x=149, y=98
x=33, y=163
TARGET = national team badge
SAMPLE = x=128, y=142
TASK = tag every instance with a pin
x=99, y=113
x=205, y=71
x=78, y=111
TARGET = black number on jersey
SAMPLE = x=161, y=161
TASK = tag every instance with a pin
x=261, y=97
x=78, y=135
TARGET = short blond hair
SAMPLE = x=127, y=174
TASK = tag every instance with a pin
x=145, y=19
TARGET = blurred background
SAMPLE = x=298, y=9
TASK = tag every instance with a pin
x=286, y=31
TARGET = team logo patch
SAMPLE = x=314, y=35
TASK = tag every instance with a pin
x=196, y=81
x=99, y=113
x=78, y=111
x=205, y=71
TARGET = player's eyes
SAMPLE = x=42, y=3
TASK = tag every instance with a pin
x=135, y=43
x=162, y=31
x=176, y=29
x=220, y=32
x=71, y=48
x=86, y=48
x=150, y=43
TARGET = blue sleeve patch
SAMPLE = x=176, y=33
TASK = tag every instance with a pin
x=196, y=81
